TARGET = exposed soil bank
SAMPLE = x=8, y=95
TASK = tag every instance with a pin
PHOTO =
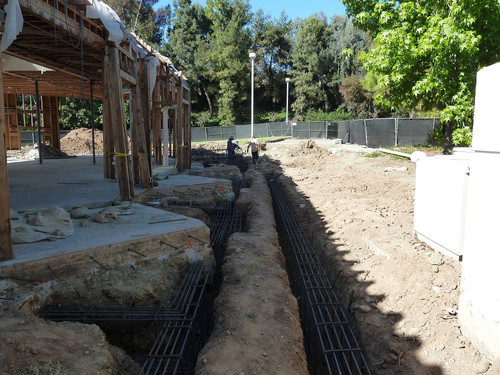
x=257, y=328
x=30, y=345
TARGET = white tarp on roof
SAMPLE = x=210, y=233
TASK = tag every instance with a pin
x=13, y=24
x=108, y=17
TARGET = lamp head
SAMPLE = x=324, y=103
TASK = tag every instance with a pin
x=252, y=55
x=287, y=79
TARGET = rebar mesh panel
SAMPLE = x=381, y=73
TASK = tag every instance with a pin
x=228, y=221
x=331, y=345
x=184, y=323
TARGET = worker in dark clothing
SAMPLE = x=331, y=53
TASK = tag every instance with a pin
x=232, y=145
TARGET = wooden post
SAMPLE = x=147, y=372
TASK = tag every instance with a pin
x=11, y=122
x=50, y=105
x=188, y=128
x=107, y=127
x=140, y=141
x=157, y=122
x=135, y=144
x=178, y=127
x=146, y=110
x=118, y=121
x=5, y=235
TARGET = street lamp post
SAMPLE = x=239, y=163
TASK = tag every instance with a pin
x=252, y=56
x=287, y=79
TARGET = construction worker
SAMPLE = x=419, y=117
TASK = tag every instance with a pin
x=254, y=145
x=231, y=146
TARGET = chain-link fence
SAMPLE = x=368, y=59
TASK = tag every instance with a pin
x=383, y=132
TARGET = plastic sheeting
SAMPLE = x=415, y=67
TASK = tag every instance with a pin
x=357, y=134
x=13, y=24
x=415, y=132
x=153, y=62
x=381, y=132
x=109, y=18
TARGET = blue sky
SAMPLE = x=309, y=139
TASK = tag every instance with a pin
x=293, y=8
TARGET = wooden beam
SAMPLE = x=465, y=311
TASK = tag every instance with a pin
x=127, y=77
x=118, y=121
x=46, y=11
x=5, y=230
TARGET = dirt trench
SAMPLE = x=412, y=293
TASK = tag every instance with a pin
x=257, y=326
x=32, y=345
x=359, y=213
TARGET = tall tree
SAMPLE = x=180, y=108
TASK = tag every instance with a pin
x=427, y=53
x=272, y=42
x=187, y=46
x=229, y=40
x=150, y=22
x=310, y=72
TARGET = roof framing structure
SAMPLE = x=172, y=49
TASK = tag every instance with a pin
x=74, y=55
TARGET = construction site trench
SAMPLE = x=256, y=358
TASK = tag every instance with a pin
x=264, y=293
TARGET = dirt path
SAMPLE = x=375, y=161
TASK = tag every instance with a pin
x=359, y=211
x=257, y=326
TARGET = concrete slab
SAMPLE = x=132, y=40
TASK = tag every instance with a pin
x=58, y=182
x=108, y=243
x=76, y=181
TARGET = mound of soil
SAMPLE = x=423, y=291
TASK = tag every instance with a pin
x=210, y=146
x=80, y=141
x=308, y=148
x=48, y=152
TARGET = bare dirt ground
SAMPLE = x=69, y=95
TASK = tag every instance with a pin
x=360, y=213
x=257, y=325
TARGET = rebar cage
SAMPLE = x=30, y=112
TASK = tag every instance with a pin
x=331, y=345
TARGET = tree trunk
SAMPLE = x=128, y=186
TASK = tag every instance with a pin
x=208, y=98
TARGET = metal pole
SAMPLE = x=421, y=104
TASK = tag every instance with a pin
x=287, y=79
x=38, y=122
x=92, y=119
x=252, y=57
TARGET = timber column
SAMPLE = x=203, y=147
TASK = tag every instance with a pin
x=117, y=115
x=5, y=235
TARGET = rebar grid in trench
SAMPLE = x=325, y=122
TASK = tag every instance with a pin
x=184, y=323
x=330, y=343
x=227, y=222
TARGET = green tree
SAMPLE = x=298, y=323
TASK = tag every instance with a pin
x=187, y=46
x=427, y=53
x=308, y=54
x=229, y=41
x=75, y=113
x=272, y=43
x=151, y=23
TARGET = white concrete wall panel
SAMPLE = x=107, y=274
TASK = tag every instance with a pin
x=440, y=198
x=486, y=114
x=480, y=297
